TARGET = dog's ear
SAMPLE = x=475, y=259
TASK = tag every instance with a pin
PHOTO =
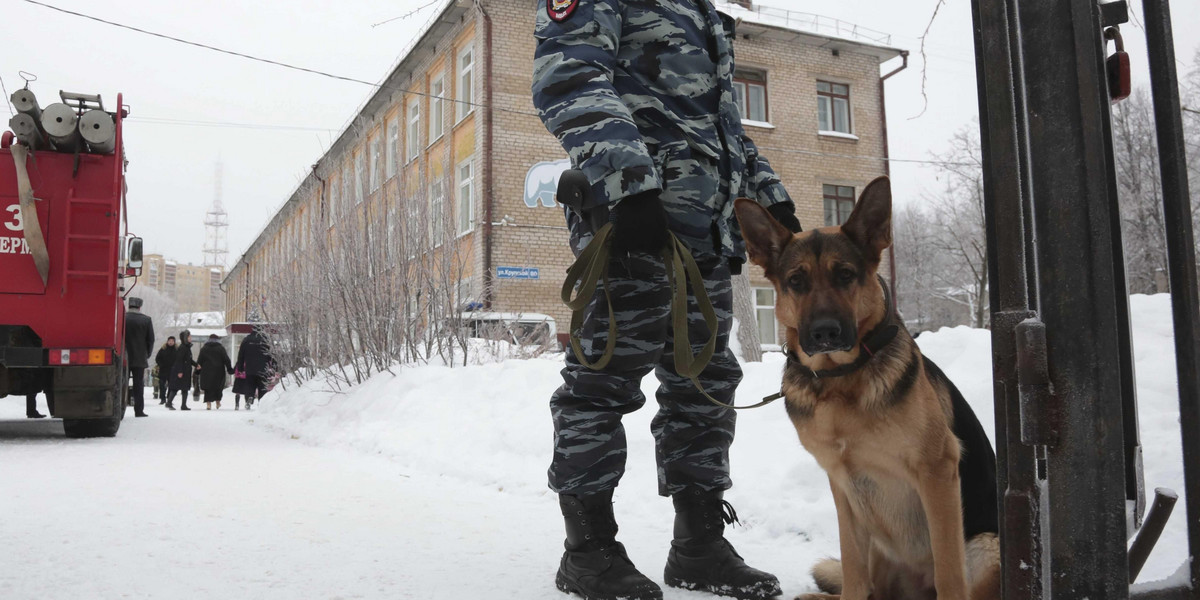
x=870, y=224
x=765, y=237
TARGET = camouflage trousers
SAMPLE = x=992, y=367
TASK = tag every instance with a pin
x=692, y=435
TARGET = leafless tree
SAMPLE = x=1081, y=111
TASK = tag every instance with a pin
x=1139, y=189
x=957, y=232
x=746, y=316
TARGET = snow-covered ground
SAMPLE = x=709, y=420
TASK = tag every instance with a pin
x=430, y=484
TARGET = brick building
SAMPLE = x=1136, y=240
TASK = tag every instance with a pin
x=193, y=288
x=452, y=129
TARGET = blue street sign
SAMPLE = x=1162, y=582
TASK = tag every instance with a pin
x=517, y=272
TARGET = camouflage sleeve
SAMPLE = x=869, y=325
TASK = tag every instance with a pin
x=761, y=178
x=574, y=95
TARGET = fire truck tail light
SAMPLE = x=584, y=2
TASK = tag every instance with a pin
x=81, y=356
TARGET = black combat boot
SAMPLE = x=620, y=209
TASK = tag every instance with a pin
x=595, y=564
x=702, y=559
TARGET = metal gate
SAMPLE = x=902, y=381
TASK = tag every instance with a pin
x=1069, y=457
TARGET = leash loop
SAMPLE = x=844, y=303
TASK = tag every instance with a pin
x=590, y=270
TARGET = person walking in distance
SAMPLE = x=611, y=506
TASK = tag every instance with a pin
x=213, y=364
x=641, y=96
x=256, y=362
x=139, y=341
x=181, y=371
x=164, y=359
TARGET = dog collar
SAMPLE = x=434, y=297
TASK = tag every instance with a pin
x=871, y=344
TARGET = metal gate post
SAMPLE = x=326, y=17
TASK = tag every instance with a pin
x=1008, y=228
x=1067, y=100
x=1185, y=306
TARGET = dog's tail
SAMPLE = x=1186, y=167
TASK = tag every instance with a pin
x=828, y=575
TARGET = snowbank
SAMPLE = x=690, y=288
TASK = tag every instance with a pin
x=489, y=426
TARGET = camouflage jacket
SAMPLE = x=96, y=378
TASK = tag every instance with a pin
x=622, y=82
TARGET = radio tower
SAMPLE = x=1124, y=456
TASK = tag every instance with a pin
x=216, y=221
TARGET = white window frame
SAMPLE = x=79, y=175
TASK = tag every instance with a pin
x=360, y=175
x=437, y=108
x=390, y=216
x=838, y=198
x=759, y=310
x=465, y=83
x=437, y=212
x=412, y=213
x=742, y=87
x=393, y=145
x=413, y=133
x=829, y=101
x=465, y=202
x=375, y=146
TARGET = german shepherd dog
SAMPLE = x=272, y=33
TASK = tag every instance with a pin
x=912, y=472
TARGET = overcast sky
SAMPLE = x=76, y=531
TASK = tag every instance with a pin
x=267, y=125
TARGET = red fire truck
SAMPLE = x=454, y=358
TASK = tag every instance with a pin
x=62, y=320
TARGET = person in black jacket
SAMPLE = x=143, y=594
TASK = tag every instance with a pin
x=255, y=360
x=139, y=339
x=181, y=370
x=213, y=364
x=165, y=359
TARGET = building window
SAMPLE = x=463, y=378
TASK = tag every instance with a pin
x=414, y=129
x=833, y=106
x=839, y=202
x=764, y=312
x=391, y=240
x=466, y=83
x=360, y=176
x=347, y=192
x=412, y=233
x=437, y=212
x=466, y=197
x=393, y=133
x=750, y=87
x=437, y=110
x=376, y=156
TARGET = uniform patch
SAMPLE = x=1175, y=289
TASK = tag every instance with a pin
x=561, y=10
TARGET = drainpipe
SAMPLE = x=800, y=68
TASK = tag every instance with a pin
x=488, y=188
x=887, y=168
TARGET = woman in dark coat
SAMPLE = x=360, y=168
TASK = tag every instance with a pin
x=256, y=362
x=163, y=362
x=181, y=370
x=213, y=364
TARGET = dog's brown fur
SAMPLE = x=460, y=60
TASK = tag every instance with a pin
x=882, y=433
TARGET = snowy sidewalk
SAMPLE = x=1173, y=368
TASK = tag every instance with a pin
x=203, y=505
x=430, y=484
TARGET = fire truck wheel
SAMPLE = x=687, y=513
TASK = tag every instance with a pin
x=88, y=428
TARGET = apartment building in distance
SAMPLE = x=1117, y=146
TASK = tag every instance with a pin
x=193, y=288
x=452, y=132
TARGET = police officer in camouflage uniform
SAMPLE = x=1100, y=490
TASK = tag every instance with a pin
x=640, y=94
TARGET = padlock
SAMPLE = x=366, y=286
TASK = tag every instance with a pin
x=1117, y=67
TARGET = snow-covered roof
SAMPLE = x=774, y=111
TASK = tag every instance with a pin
x=213, y=319
x=811, y=24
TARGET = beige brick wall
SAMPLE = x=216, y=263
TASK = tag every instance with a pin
x=795, y=150
x=536, y=237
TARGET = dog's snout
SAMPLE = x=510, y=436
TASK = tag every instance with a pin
x=825, y=331
x=828, y=334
